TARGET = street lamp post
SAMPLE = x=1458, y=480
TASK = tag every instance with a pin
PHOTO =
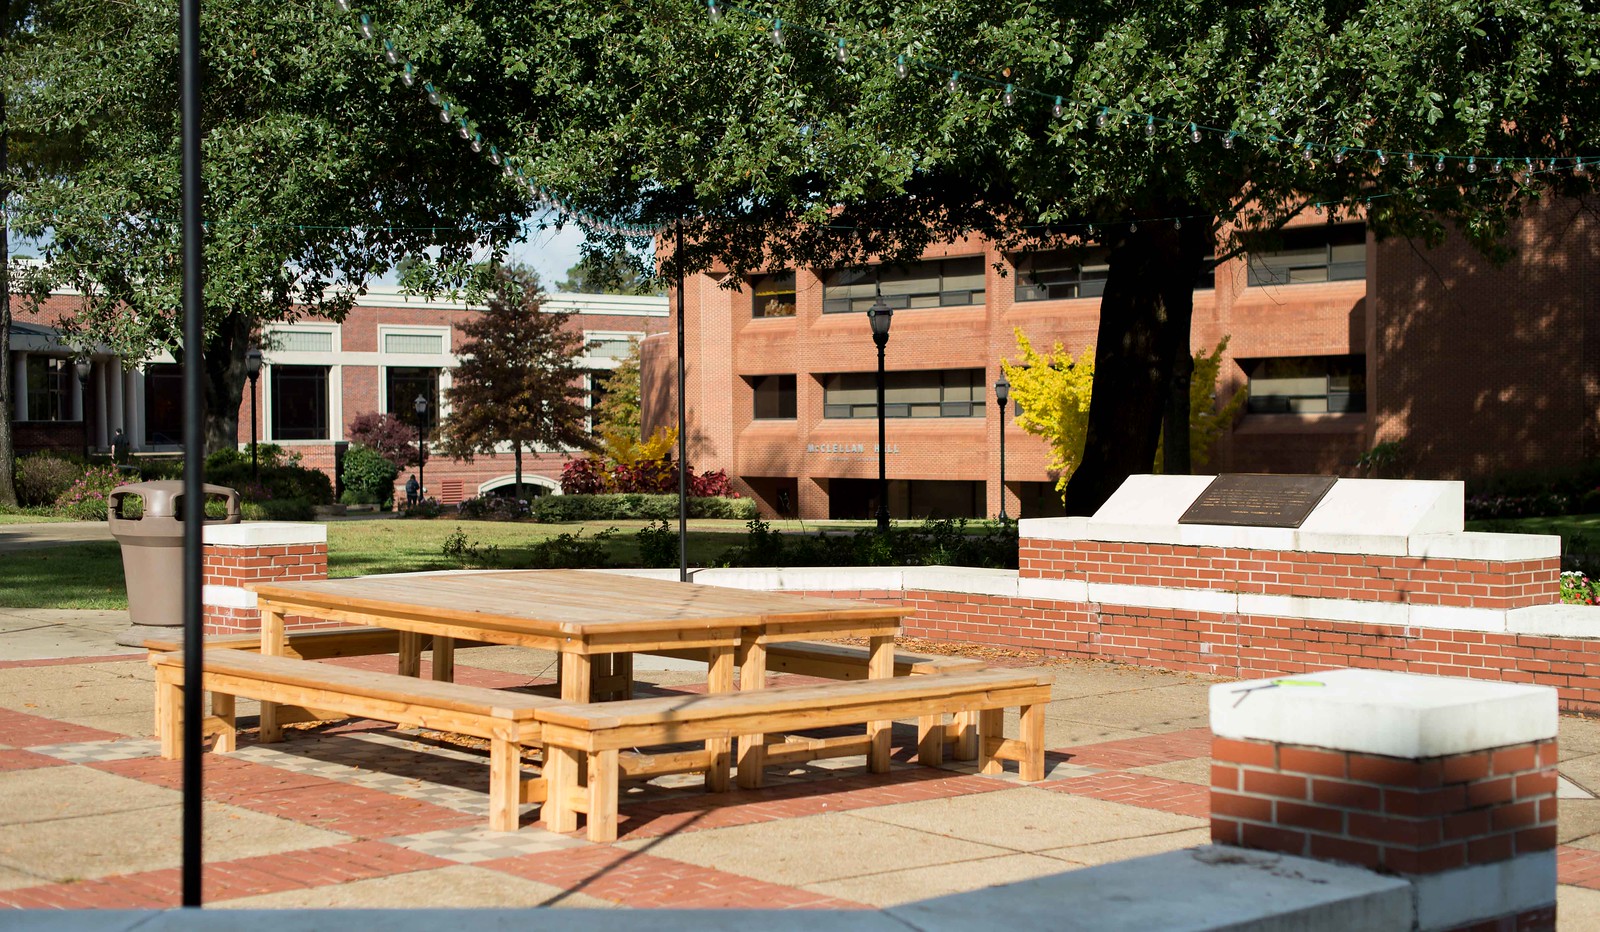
x=1002, y=392
x=421, y=405
x=879, y=315
x=252, y=369
x=83, y=367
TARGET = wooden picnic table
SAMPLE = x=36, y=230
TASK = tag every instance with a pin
x=583, y=615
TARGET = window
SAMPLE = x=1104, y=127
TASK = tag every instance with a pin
x=299, y=402
x=1313, y=254
x=597, y=394
x=954, y=393
x=939, y=283
x=302, y=341
x=163, y=404
x=772, y=295
x=774, y=397
x=412, y=343
x=1307, y=384
x=615, y=347
x=404, y=384
x=48, y=381
x=1062, y=273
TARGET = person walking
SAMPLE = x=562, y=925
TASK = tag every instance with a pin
x=413, y=492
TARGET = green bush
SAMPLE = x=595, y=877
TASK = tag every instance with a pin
x=368, y=476
x=44, y=477
x=89, y=495
x=275, y=509
x=658, y=544
x=553, y=509
x=933, y=543
x=572, y=551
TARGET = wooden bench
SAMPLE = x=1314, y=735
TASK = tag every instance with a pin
x=325, y=644
x=506, y=719
x=591, y=737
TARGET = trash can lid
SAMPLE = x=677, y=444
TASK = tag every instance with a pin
x=160, y=495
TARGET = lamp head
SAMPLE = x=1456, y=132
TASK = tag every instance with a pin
x=1002, y=389
x=82, y=367
x=421, y=405
x=252, y=362
x=879, y=315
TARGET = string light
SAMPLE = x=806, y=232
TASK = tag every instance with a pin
x=433, y=93
x=1227, y=141
x=1057, y=109
x=1439, y=165
x=777, y=33
x=1411, y=161
x=408, y=74
x=1338, y=157
x=1472, y=166
x=1495, y=168
x=1100, y=121
x=1150, y=127
x=1383, y=159
x=1133, y=227
x=1194, y=133
x=1306, y=154
x=366, y=26
x=1009, y=96
x=389, y=53
x=840, y=53
x=900, y=69
x=477, y=143
x=955, y=78
x=716, y=11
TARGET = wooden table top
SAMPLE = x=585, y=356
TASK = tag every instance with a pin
x=569, y=602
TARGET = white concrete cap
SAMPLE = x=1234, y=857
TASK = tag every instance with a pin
x=1150, y=500
x=968, y=579
x=265, y=534
x=1396, y=507
x=1557, y=621
x=1209, y=888
x=1474, y=545
x=1075, y=528
x=1457, y=898
x=1380, y=712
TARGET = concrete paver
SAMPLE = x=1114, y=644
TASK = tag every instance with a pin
x=1121, y=849
x=891, y=888
x=1577, y=909
x=459, y=887
x=1195, y=770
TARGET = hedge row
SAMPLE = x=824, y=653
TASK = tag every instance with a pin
x=552, y=509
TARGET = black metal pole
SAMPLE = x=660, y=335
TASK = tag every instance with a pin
x=422, y=468
x=255, y=468
x=1002, y=403
x=683, y=432
x=193, y=446
x=882, y=339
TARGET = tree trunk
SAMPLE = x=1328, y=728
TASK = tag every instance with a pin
x=1144, y=329
x=8, y=489
x=516, y=447
x=225, y=381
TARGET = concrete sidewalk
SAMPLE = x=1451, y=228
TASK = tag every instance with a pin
x=51, y=534
x=362, y=815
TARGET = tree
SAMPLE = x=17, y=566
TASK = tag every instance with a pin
x=616, y=273
x=618, y=411
x=321, y=168
x=767, y=156
x=519, y=381
x=389, y=435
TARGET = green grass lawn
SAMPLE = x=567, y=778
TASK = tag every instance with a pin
x=12, y=518
x=87, y=575
x=1579, y=533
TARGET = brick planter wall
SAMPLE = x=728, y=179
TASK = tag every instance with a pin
x=240, y=554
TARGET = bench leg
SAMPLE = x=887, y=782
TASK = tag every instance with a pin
x=1031, y=734
x=505, y=783
x=930, y=740
x=991, y=726
x=561, y=782
x=719, y=680
x=753, y=747
x=880, y=666
x=222, y=708
x=603, y=781
x=444, y=659
x=273, y=644
x=410, y=651
x=169, y=715
x=966, y=743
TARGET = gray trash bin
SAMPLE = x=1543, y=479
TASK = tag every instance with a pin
x=152, y=551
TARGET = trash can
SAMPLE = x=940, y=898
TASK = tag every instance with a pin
x=152, y=549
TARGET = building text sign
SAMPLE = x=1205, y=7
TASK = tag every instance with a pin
x=850, y=448
x=1258, y=500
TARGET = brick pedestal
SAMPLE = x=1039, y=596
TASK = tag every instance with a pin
x=1449, y=783
x=239, y=554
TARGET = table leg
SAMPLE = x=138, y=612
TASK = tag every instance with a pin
x=444, y=658
x=575, y=678
x=410, y=663
x=880, y=665
x=272, y=645
x=752, y=748
x=719, y=680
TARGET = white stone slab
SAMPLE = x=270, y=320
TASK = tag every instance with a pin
x=1389, y=545
x=227, y=597
x=1150, y=501
x=1194, y=600
x=1457, y=898
x=1379, y=712
x=1474, y=545
x=1209, y=888
x=1076, y=528
x=1224, y=535
x=966, y=579
x=1557, y=621
x=1455, y=618
x=1061, y=590
x=265, y=534
x=1294, y=606
x=1396, y=507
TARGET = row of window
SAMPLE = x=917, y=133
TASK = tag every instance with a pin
x=1308, y=254
x=1287, y=385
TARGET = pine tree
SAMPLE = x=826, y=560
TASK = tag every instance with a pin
x=519, y=381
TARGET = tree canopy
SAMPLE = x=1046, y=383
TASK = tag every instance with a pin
x=618, y=273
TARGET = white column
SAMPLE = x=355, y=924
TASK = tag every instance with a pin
x=19, y=386
x=75, y=400
x=133, y=421
x=114, y=383
x=102, y=404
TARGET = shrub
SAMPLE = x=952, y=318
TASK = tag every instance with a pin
x=44, y=477
x=268, y=456
x=277, y=509
x=281, y=480
x=392, y=437
x=583, y=477
x=572, y=551
x=941, y=542
x=368, y=477
x=88, y=497
x=633, y=506
x=658, y=544
x=713, y=484
x=645, y=476
x=427, y=508
x=494, y=508
x=470, y=555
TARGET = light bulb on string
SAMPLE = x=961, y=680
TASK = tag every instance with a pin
x=1100, y=121
x=1057, y=108
x=1194, y=133
x=1439, y=165
x=1383, y=158
x=344, y=5
x=840, y=54
x=1472, y=165
x=715, y=9
x=494, y=155
x=433, y=94
x=1411, y=161
x=408, y=74
x=1495, y=168
x=1149, y=127
x=1227, y=141
x=366, y=25
x=1338, y=157
x=477, y=142
x=1578, y=167
x=390, y=53
x=777, y=33
x=1133, y=227
x=1306, y=153
x=955, y=78
x=444, y=112
x=1530, y=165
x=900, y=68
x=1009, y=95
x=1177, y=223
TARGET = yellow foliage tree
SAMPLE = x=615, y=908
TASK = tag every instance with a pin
x=624, y=449
x=1052, y=394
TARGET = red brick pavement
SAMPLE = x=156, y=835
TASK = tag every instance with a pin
x=1579, y=867
x=304, y=798
x=1146, y=751
x=13, y=759
x=1174, y=796
x=227, y=880
x=21, y=730
x=645, y=881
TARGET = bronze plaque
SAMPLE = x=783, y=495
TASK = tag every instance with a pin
x=1257, y=500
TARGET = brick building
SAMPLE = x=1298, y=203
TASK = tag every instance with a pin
x=1345, y=342
x=316, y=377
